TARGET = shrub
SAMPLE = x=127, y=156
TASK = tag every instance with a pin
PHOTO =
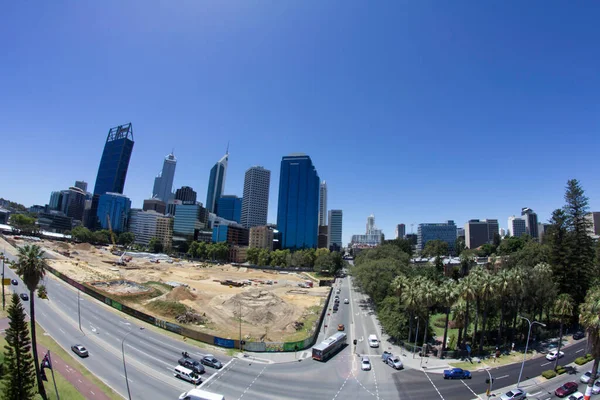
x=560, y=370
x=581, y=360
x=549, y=374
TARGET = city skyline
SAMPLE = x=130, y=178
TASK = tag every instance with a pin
x=361, y=126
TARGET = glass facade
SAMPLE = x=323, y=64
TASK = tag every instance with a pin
x=298, y=208
x=117, y=207
x=188, y=220
x=443, y=231
x=230, y=208
x=216, y=184
x=115, y=160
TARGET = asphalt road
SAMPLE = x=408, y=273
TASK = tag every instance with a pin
x=150, y=356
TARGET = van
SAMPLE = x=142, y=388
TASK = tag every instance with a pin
x=373, y=341
x=187, y=375
x=197, y=394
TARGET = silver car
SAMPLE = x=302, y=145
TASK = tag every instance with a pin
x=365, y=364
x=515, y=394
x=585, y=378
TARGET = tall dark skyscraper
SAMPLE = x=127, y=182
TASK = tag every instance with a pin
x=113, y=167
x=298, y=208
x=185, y=193
x=216, y=183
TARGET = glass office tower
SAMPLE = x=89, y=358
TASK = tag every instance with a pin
x=298, y=208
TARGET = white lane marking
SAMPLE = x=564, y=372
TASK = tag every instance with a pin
x=433, y=384
x=534, y=394
x=550, y=362
x=222, y=371
x=252, y=383
x=92, y=392
x=580, y=350
x=501, y=377
x=123, y=376
x=468, y=387
x=60, y=329
x=341, y=387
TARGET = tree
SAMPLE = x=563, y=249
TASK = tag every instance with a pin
x=101, y=237
x=19, y=372
x=320, y=252
x=429, y=296
x=81, y=234
x=404, y=245
x=510, y=245
x=581, y=255
x=459, y=316
x=23, y=223
x=448, y=296
x=252, y=255
x=126, y=238
x=589, y=317
x=563, y=309
x=279, y=257
x=438, y=249
x=263, y=257
x=460, y=245
x=31, y=267
x=155, y=245
x=486, y=250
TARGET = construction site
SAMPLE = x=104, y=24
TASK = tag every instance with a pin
x=271, y=306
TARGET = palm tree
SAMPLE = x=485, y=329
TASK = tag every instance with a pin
x=32, y=268
x=448, y=296
x=459, y=311
x=503, y=289
x=467, y=288
x=412, y=302
x=487, y=290
x=563, y=309
x=589, y=317
x=429, y=296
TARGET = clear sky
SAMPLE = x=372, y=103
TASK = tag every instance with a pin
x=415, y=111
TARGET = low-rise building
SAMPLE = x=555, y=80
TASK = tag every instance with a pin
x=164, y=231
x=54, y=221
x=230, y=234
x=237, y=254
x=155, y=205
x=261, y=237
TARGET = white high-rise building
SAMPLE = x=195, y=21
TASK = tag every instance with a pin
x=163, y=183
x=323, y=204
x=334, y=236
x=516, y=226
x=370, y=224
x=255, y=203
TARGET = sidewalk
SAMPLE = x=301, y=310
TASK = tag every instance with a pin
x=88, y=389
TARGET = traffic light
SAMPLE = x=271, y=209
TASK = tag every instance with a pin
x=488, y=380
x=242, y=342
x=355, y=341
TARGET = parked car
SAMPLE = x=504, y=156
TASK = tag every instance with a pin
x=192, y=364
x=365, y=364
x=80, y=350
x=554, y=354
x=14, y=282
x=457, y=373
x=341, y=327
x=24, y=296
x=392, y=360
x=515, y=394
x=346, y=301
x=596, y=388
x=576, y=396
x=566, y=389
x=585, y=378
x=211, y=361
x=578, y=335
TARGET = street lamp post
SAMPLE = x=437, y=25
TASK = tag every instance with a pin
x=124, y=366
x=3, y=298
x=79, y=309
x=489, y=391
x=531, y=323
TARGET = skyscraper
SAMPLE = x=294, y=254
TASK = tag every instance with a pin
x=186, y=193
x=323, y=204
x=437, y=231
x=81, y=185
x=113, y=167
x=531, y=222
x=230, y=208
x=334, y=237
x=163, y=183
x=298, y=207
x=113, y=206
x=516, y=226
x=479, y=232
x=370, y=224
x=255, y=203
x=216, y=183
x=400, y=231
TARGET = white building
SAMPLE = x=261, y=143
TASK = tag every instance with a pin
x=334, y=235
x=143, y=225
x=163, y=183
x=255, y=203
x=372, y=236
x=323, y=204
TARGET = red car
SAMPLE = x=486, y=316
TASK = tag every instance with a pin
x=566, y=389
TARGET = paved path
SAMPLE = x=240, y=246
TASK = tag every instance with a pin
x=86, y=387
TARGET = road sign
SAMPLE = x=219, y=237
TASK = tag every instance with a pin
x=6, y=281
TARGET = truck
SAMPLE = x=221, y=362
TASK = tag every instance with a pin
x=391, y=360
x=456, y=373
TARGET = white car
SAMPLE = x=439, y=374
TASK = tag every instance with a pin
x=551, y=356
x=515, y=394
x=596, y=388
x=585, y=378
x=365, y=364
x=576, y=396
x=346, y=301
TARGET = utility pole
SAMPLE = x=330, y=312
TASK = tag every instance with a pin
x=54, y=380
x=3, y=297
x=79, y=309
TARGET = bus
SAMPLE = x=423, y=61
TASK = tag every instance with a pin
x=328, y=347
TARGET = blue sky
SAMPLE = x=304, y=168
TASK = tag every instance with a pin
x=418, y=111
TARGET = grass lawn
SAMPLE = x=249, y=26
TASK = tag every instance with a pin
x=439, y=330
x=54, y=347
x=514, y=357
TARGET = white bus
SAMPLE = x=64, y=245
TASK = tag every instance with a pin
x=328, y=347
x=198, y=394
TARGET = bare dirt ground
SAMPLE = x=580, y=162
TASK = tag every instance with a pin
x=268, y=311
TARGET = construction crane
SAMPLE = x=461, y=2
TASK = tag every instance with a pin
x=112, y=234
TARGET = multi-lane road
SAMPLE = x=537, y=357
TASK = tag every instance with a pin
x=151, y=356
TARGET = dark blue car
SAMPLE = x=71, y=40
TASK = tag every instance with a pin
x=457, y=373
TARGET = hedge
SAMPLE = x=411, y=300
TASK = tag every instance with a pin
x=560, y=370
x=584, y=360
x=549, y=374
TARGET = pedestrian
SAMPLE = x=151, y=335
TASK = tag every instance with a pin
x=513, y=346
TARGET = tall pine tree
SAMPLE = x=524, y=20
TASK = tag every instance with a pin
x=556, y=239
x=19, y=378
x=581, y=245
